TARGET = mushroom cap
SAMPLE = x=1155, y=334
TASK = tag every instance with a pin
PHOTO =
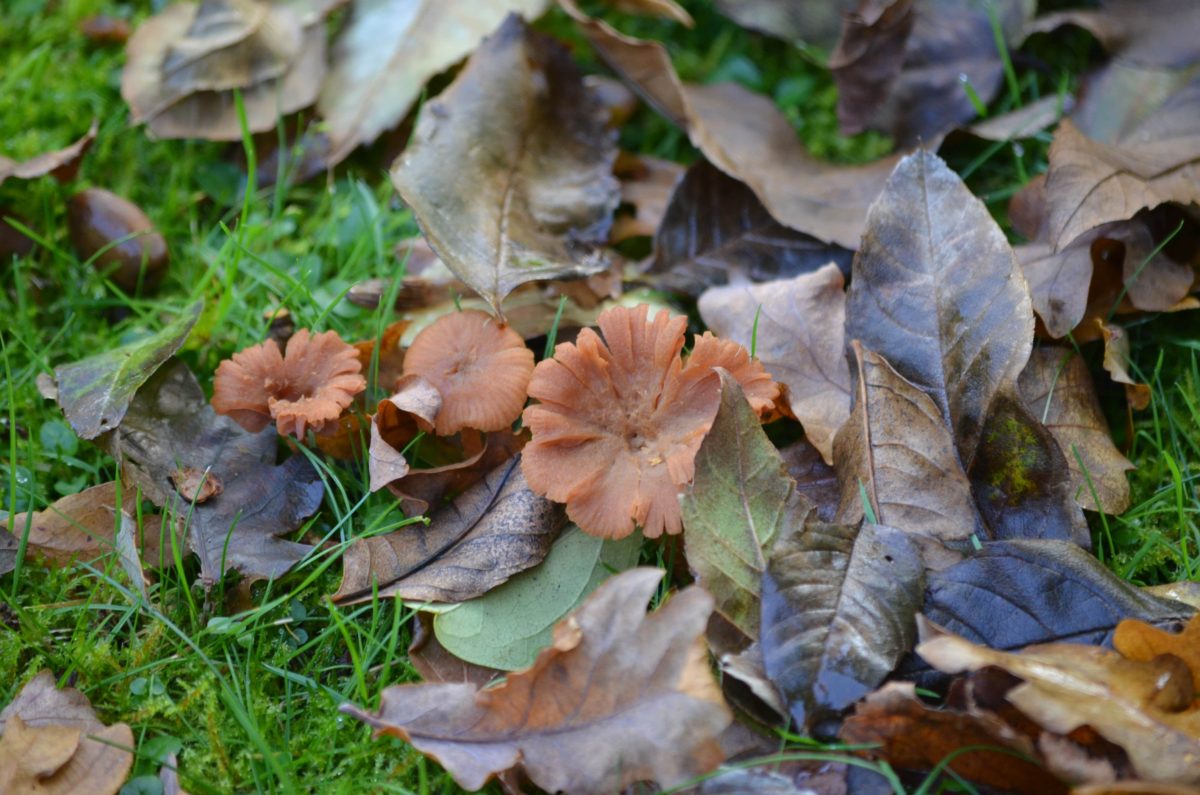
x=709, y=351
x=481, y=369
x=308, y=387
x=619, y=423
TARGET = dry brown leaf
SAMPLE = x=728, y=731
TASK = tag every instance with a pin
x=667, y=9
x=1116, y=362
x=382, y=358
x=815, y=479
x=1057, y=388
x=471, y=456
x=618, y=697
x=62, y=164
x=184, y=64
x=1140, y=641
x=435, y=664
x=509, y=171
x=815, y=23
x=1146, y=708
x=1157, y=33
x=799, y=341
x=897, y=447
x=647, y=184
x=79, y=526
x=52, y=743
x=1024, y=122
x=397, y=421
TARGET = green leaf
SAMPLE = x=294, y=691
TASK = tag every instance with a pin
x=509, y=625
x=740, y=501
x=95, y=392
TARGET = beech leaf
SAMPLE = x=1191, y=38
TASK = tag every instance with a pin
x=507, y=627
x=799, y=342
x=389, y=49
x=838, y=604
x=619, y=697
x=897, y=447
x=95, y=392
x=716, y=231
x=509, y=172
x=740, y=501
x=496, y=528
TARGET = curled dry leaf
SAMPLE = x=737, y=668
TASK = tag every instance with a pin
x=1143, y=642
x=94, y=393
x=1057, y=388
x=647, y=186
x=1146, y=708
x=741, y=500
x=619, y=421
x=799, y=340
x=897, y=449
x=716, y=231
x=397, y=421
x=306, y=388
x=509, y=171
x=382, y=358
x=170, y=426
x=838, y=603
x=480, y=368
x=812, y=23
x=471, y=456
x=1116, y=362
x=1145, y=32
x=184, y=65
x=51, y=742
x=389, y=49
x=492, y=531
x=62, y=164
x=619, y=697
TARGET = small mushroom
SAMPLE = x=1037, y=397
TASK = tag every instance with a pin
x=761, y=390
x=480, y=368
x=120, y=238
x=309, y=387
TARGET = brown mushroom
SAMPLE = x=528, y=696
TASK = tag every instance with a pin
x=117, y=236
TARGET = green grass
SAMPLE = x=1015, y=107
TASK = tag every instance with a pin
x=249, y=702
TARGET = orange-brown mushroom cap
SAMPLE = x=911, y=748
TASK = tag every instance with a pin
x=709, y=352
x=308, y=387
x=480, y=368
x=620, y=421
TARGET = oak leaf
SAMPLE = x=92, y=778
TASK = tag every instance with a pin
x=619, y=697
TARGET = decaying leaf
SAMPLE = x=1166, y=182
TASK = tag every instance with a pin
x=815, y=479
x=913, y=736
x=508, y=626
x=799, y=340
x=1140, y=641
x=170, y=425
x=619, y=697
x=52, y=743
x=509, y=172
x=901, y=66
x=1025, y=121
x=897, y=449
x=1012, y=594
x=435, y=664
x=716, y=231
x=79, y=526
x=492, y=531
x=740, y=501
x=95, y=392
x=473, y=456
x=817, y=24
x=647, y=185
x=62, y=164
x=838, y=603
x=1153, y=33
x=396, y=422
x=1056, y=387
x=389, y=49
x=1116, y=361
x=1146, y=708
x=184, y=64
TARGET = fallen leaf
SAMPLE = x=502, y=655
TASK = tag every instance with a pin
x=118, y=239
x=1136, y=788
x=1057, y=388
x=494, y=530
x=1121, y=95
x=1116, y=362
x=1025, y=121
x=667, y=9
x=52, y=742
x=1012, y=594
x=815, y=479
x=791, y=777
x=1146, y=708
x=169, y=776
x=396, y=422
x=619, y=697
x=937, y=292
x=1146, y=32
x=716, y=231
x=1140, y=641
x=897, y=450
x=80, y=526
x=647, y=185
x=741, y=499
x=389, y=49
x=9, y=547
x=799, y=340
x=170, y=425
x=62, y=164
x=746, y=685
x=913, y=736
x=838, y=603
x=901, y=67
x=435, y=664
x=94, y=393
x=477, y=455
x=195, y=485
x=531, y=187
x=382, y=358
x=1186, y=591
x=184, y=65
x=817, y=24
x=508, y=626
